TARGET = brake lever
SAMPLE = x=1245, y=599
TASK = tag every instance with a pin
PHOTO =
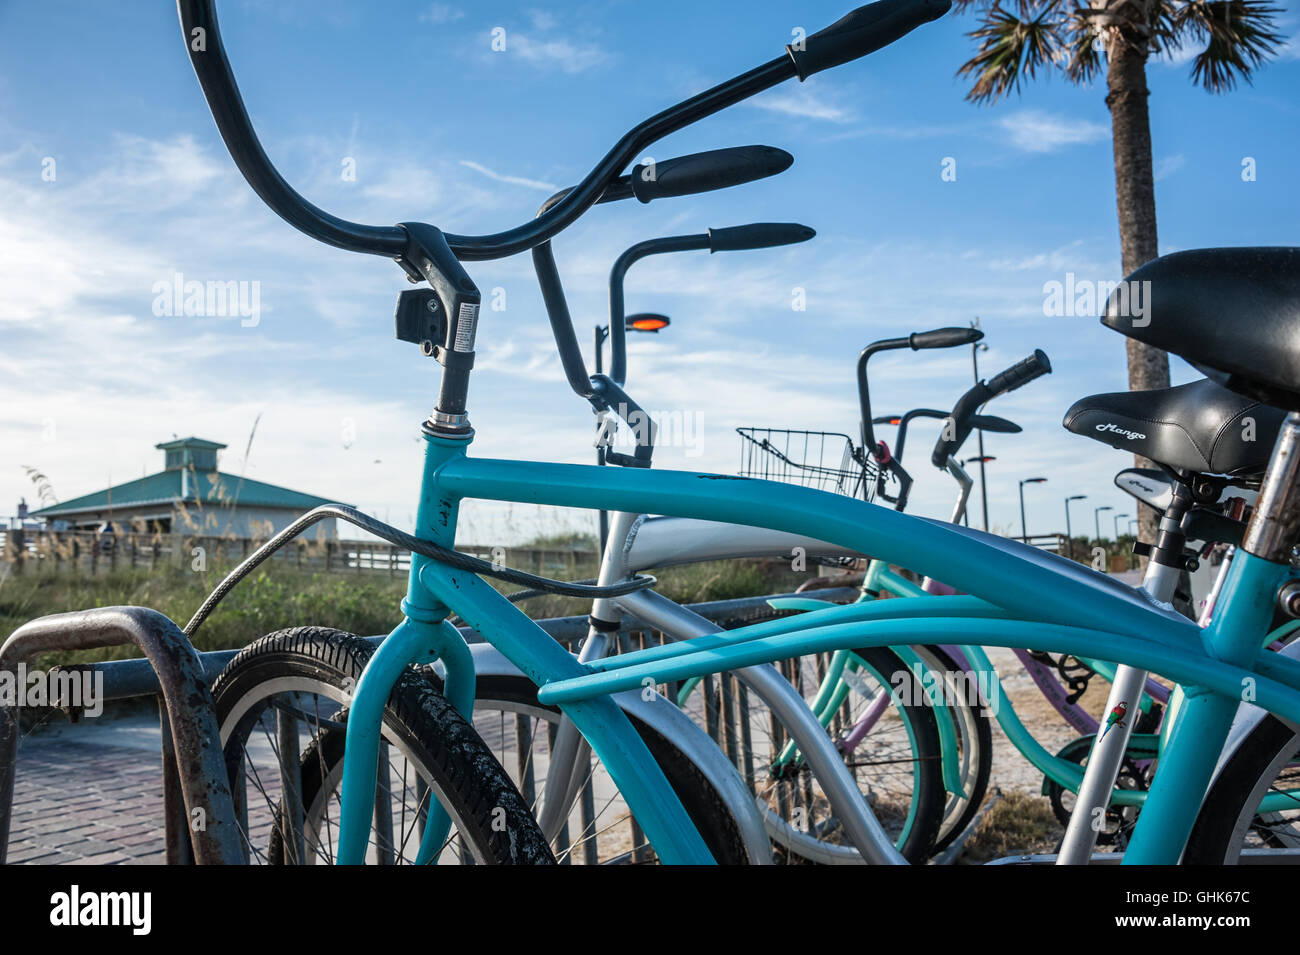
x=608, y=397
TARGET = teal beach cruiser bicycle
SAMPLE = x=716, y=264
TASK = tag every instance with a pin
x=1013, y=595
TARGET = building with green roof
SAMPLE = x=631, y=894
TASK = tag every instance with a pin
x=189, y=496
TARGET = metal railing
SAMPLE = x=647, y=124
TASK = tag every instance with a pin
x=86, y=552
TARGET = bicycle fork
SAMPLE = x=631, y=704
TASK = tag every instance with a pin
x=432, y=590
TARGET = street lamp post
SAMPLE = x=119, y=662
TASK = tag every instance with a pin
x=1069, y=535
x=1024, y=534
x=975, y=349
x=641, y=322
x=981, y=459
x=602, y=333
x=1096, y=515
x=1118, y=518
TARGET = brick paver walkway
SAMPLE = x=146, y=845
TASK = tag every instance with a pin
x=79, y=798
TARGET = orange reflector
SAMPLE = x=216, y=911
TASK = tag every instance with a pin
x=648, y=324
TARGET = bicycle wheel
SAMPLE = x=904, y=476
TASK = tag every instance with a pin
x=599, y=828
x=1234, y=816
x=282, y=693
x=973, y=729
x=1118, y=821
x=883, y=726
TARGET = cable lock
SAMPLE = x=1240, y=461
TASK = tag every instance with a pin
x=443, y=555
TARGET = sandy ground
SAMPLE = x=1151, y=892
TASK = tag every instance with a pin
x=1011, y=770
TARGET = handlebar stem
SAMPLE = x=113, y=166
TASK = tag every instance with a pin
x=900, y=440
x=617, y=308
x=869, y=443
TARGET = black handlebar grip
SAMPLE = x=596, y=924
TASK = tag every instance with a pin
x=944, y=338
x=994, y=424
x=1021, y=373
x=704, y=172
x=863, y=31
x=760, y=235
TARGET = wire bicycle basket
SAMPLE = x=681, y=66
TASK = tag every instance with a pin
x=825, y=460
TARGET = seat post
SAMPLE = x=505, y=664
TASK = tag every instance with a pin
x=1275, y=523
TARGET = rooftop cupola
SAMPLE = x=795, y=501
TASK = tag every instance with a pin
x=184, y=453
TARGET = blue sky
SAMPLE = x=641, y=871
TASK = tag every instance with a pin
x=439, y=127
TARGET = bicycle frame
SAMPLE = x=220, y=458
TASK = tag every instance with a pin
x=1033, y=599
x=640, y=543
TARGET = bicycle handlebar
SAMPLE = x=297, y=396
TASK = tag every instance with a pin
x=994, y=425
x=863, y=31
x=935, y=338
x=707, y=171
x=1021, y=373
x=760, y=235
x=959, y=425
x=944, y=337
x=979, y=422
x=425, y=253
x=859, y=33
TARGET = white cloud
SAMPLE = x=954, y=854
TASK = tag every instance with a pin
x=439, y=13
x=543, y=19
x=1039, y=132
x=1290, y=49
x=179, y=162
x=1182, y=55
x=1168, y=165
x=77, y=261
x=568, y=56
x=1068, y=257
x=512, y=180
x=804, y=102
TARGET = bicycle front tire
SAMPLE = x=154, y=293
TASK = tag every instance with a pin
x=439, y=755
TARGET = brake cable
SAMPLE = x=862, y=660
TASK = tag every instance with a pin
x=435, y=552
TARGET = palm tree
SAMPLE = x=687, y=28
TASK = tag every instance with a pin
x=1018, y=39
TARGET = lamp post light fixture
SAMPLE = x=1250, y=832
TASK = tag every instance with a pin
x=1069, y=535
x=981, y=460
x=975, y=349
x=641, y=322
x=1024, y=535
x=1096, y=515
x=650, y=322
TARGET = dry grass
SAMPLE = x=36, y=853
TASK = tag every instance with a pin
x=278, y=596
x=1017, y=824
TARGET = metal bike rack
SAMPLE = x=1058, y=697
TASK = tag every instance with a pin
x=196, y=795
x=194, y=770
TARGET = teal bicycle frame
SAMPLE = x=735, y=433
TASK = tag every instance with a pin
x=1033, y=599
x=1062, y=771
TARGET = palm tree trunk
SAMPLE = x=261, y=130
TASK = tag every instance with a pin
x=1135, y=194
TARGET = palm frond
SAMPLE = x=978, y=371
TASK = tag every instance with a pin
x=1013, y=45
x=1083, y=36
x=1238, y=36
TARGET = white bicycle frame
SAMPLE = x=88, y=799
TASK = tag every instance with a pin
x=637, y=542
